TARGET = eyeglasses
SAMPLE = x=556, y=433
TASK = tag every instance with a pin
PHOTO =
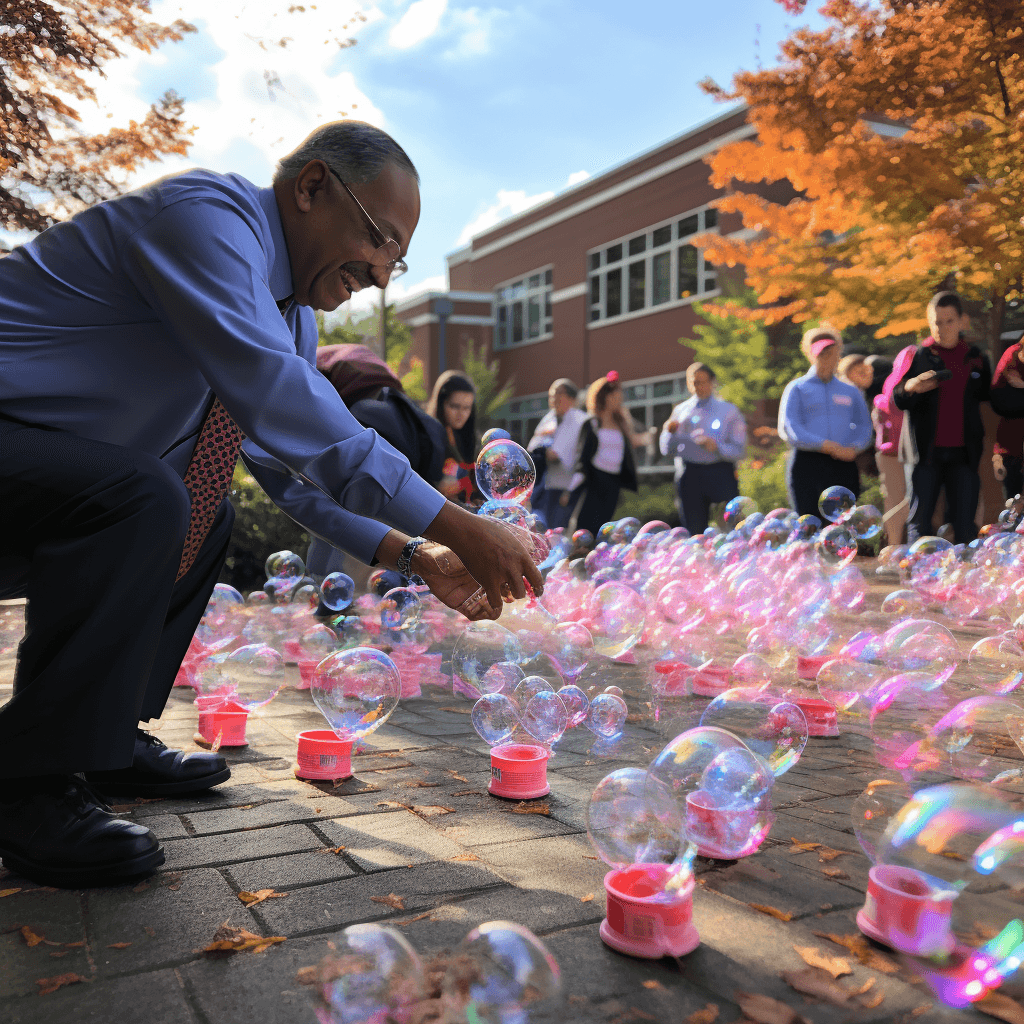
x=386, y=255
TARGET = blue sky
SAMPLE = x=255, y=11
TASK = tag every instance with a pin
x=498, y=105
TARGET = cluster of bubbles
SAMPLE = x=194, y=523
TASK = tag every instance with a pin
x=501, y=973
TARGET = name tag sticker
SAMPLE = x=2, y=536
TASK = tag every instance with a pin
x=842, y=400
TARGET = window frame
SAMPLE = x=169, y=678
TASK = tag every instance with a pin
x=541, y=293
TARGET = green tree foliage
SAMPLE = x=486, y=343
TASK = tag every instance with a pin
x=397, y=343
x=490, y=394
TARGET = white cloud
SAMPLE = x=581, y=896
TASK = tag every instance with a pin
x=576, y=177
x=418, y=23
x=508, y=205
x=475, y=29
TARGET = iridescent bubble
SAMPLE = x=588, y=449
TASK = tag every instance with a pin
x=925, y=547
x=919, y=645
x=981, y=739
x=625, y=530
x=317, y=642
x=607, y=715
x=583, y=540
x=835, y=502
x=495, y=718
x=356, y=691
x=501, y=973
x=576, y=704
x=805, y=528
x=511, y=512
x=872, y=811
x=482, y=646
x=337, y=591
x=400, y=609
x=836, y=545
x=494, y=434
x=307, y=595
x=505, y=471
x=372, y=974
x=285, y=565
x=845, y=683
x=502, y=677
x=250, y=676
x=615, y=617
x=529, y=687
x=777, y=732
x=545, y=717
x=623, y=830
x=571, y=647
x=997, y=664
x=737, y=510
x=864, y=521
x=902, y=603
x=904, y=709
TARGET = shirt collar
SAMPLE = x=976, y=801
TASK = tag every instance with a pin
x=707, y=401
x=280, y=266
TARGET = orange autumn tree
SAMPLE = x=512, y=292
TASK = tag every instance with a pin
x=49, y=167
x=901, y=128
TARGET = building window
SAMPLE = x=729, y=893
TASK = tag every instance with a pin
x=522, y=310
x=670, y=268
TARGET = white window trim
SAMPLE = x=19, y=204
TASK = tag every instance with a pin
x=593, y=325
x=511, y=346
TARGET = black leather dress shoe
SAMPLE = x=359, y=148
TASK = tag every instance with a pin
x=160, y=771
x=67, y=836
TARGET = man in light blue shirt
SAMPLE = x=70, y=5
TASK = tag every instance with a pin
x=707, y=435
x=117, y=329
x=826, y=423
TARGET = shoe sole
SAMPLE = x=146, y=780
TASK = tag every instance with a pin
x=164, y=788
x=76, y=877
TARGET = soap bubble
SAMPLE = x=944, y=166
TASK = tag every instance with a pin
x=400, y=610
x=902, y=602
x=284, y=565
x=576, y=704
x=372, y=974
x=583, y=540
x=482, y=646
x=317, y=642
x=904, y=708
x=872, y=811
x=607, y=715
x=835, y=502
x=997, y=664
x=925, y=547
x=737, y=510
x=307, y=595
x=544, y=717
x=919, y=645
x=510, y=512
x=615, y=617
x=495, y=718
x=844, y=683
x=864, y=521
x=837, y=545
x=623, y=830
x=337, y=591
x=224, y=618
x=571, y=647
x=250, y=676
x=501, y=973
x=494, y=434
x=980, y=739
x=505, y=471
x=356, y=691
x=776, y=733
x=529, y=687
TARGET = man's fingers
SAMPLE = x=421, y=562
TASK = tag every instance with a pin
x=535, y=579
x=514, y=582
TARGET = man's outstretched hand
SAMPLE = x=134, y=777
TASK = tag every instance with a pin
x=490, y=551
x=450, y=582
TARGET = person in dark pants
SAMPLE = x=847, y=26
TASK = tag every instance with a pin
x=826, y=423
x=140, y=343
x=706, y=435
x=553, y=446
x=1007, y=398
x=942, y=391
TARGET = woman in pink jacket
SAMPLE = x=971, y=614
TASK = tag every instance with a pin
x=888, y=421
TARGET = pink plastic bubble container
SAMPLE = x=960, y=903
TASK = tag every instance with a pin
x=808, y=668
x=725, y=833
x=225, y=720
x=712, y=681
x=904, y=911
x=306, y=670
x=519, y=771
x=321, y=755
x=292, y=651
x=821, y=715
x=642, y=920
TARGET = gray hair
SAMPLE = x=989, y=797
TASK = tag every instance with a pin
x=354, y=150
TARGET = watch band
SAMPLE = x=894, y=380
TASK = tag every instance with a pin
x=404, y=563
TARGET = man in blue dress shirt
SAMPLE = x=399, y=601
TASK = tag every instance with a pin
x=117, y=329
x=706, y=435
x=826, y=423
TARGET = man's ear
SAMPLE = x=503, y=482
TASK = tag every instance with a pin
x=310, y=180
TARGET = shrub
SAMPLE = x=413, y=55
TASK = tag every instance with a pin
x=652, y=501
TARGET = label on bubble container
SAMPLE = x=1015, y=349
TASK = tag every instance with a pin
x=495, y=773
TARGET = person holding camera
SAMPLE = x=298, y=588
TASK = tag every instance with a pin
x=942, y=391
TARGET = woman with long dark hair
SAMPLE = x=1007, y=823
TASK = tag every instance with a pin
x=605, y=464
x=453, y=405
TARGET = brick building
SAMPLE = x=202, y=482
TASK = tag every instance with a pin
x=601, y=277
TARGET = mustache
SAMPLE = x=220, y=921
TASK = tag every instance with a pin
x=360, y=271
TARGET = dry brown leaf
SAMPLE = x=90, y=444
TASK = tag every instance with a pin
x=872, y=1001
x=782, y=915
x=409, y=920
x=918, y=1010
x=587, y=899
x=654, y=984
x=57, y=954
x=228, y=940
x=826, y=854
x=48, y=985
x=391, y=900
x=813, y=957
x=30, y=937
x=765, y=1010
x=587, y=856
x=73, y=945
x=118, y=945
x=431, y=810
x=813, y=981
x=420, y=785
x=250, y=899
x=834, y=873
x=308, y=975
x=863, y=951
x=332, y=849
x=1002, y=1007
x=8, y=892
x=466, y=856
x=454, y=774
x=532, y=807
x=708, y=1015
x=799, y=847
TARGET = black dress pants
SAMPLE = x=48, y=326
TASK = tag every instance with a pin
x=92, y=536
x=701, y=485
x=809, y=473
x=947, y=470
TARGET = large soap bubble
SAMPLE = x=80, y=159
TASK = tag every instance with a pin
x=873, y=810
x=919, y=645
x=495, y=718
x=501, y=973
x=545, y=717
x=505, y=471
x=835, y=502
x=478, y=653
x=615, y=617
x=980, y=739
x=607, y=715
x=997, y=664
x=250, y=676
x=864, y=521
x=737, y=510
x=400, y=610
x=777, y=733
x=356, y=690
x=571, y=647
x=337, y=591
x=904, y=709
x=576, y=704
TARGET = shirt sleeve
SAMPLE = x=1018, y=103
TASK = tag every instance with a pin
x=202, y=269
x=668, y=439
x=793, y=426
x=733, y=444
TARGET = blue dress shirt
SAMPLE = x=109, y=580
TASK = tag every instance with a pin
x=718, y=419
x=813, y=411
x=117, y=324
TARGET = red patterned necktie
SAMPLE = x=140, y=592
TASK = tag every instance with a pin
x=209, y=473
